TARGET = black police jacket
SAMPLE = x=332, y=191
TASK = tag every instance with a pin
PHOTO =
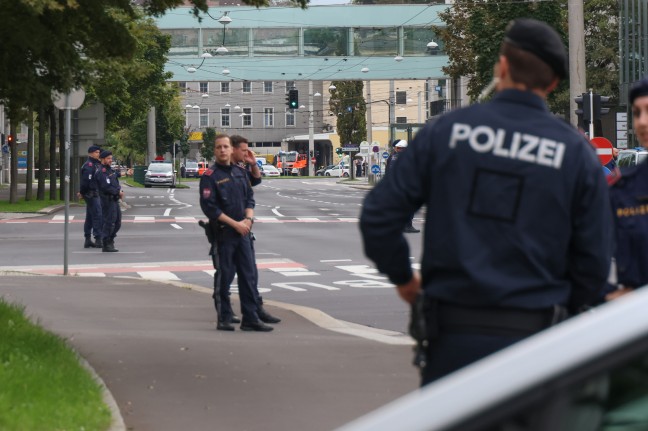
x=88, y=176
x=518, y=211
x=629, y=197
x=226, y=189
x=108, y=181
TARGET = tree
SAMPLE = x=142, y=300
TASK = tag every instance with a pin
x=348, y=104
x=207, y=148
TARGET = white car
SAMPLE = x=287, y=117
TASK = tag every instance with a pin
x=337, y=171
x=269, y=171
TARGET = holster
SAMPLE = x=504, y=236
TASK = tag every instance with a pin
x=423, y=327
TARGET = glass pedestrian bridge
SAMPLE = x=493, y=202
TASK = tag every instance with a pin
x=321, y=43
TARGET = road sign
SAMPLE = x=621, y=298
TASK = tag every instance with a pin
x=375, y=169
x=385, y=155
x=260, y=163
x=376, y=146
x=350, y=149
x=5, y=149
x=313, y=160
x=603, y=149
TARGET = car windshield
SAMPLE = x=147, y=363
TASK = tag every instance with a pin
x=625, y=159
x=642, y=157
x=192, y=165
x=160, y=167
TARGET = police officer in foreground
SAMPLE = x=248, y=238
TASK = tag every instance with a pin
x=517, y=232
x=110, y=192
x=227, y=199
x=89, y=191
x=629, y=195
x=244, y=157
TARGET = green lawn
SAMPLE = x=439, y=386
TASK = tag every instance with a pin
x=43, y=386
x=31, y=206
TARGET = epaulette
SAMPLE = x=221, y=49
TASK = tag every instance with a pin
x=209, y=171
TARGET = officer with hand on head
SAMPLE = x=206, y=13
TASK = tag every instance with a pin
x=110, y=192
x=89, y=191
x=517, y=231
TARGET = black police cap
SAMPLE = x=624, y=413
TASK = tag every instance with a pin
x=638, y=89
x=105, y=153
x=93, y=148
x=540, y=39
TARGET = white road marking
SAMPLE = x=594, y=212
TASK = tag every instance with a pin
x=158, y=275
x=291, y=286
x=167, y=212
x=336, y=260
x=176, y=226
x=144, y=219
x=276, y=212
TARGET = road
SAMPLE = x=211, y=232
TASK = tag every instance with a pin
x=308, y=247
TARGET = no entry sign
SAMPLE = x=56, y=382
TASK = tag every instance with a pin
x=603, y=149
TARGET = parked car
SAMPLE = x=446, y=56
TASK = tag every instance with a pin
x=160, y=174
x=269, y=171
x=320, y=172
x=337, y=171
x=593, y=367
x=191, y=170
x=632, y=157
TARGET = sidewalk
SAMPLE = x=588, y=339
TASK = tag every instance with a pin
x=155, y=347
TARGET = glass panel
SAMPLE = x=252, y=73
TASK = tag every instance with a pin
x=276, y=41
x=225, y=87
x=225, y=117
x=236, y=40
x=183, y=41
x=204, y=117
x=290, y=118
x=247, y=117
x=268, y=117
x=267, y=86
x=401, y=97
x=416, y=40
x=204, y=88
x=325, y=41
x=247, y=87
x=375, y=41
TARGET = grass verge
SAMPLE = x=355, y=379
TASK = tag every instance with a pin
x=43, y=385
x=23, y=206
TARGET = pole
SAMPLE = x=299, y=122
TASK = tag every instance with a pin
x=591, y=123
x=577, y=72
x=66, y=184
x=369, y=117
x=310, y=171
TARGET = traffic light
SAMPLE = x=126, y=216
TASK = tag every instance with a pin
x=599, y=110
x=10, y=140
x=293, y=99
x=338, y=151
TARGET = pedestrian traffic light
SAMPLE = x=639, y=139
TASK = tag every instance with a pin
x=293, y=99
x=10, y=140
x=338, y=151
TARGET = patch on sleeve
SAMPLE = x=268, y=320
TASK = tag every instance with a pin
x=208, y=172
x=206, y=193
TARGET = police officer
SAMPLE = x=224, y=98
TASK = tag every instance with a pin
x=243, y=157
x=630, y=205
x=517, y=228
x=110, y=192
x=399, y=146
x=88, y=190
x=227, y=199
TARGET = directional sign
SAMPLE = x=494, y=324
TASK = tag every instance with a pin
x=350, y=149
x=385, y=155
x=260, y=163
x=603, y=149
x=375, y=169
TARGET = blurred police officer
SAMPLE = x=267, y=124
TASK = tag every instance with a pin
x=517, y=228
x=629, y=197
x=227, y=199
x=244, y=157
x=399, y=146
x=110, y=192
x=89, y=191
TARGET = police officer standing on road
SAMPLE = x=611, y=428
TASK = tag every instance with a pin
x=517, y=232
x=227, y=199
x=244, y=157
x=629, y=194
x=89, y=191
x=111, y=193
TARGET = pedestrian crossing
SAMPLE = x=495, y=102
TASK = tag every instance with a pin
x=59, y=219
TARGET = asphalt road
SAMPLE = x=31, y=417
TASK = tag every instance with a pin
x=308, y=247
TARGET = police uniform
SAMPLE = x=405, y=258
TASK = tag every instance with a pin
x=227, y=189
x=109, y=188
x=89, y=190
x=516, y=226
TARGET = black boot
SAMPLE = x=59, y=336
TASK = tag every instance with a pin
x=266, y=317
x=108, y=246
x=98, y=243
x=88, y=243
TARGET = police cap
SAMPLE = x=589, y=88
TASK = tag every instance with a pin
x=105, y=153
x=540, y=39
x=638, y=89
x=93, y=148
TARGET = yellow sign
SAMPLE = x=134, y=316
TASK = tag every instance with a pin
x=196, y=136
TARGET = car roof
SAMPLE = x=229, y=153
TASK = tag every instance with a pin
x=507, y=374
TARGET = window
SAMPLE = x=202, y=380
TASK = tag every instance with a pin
x=290, y=118
x=401, y=120
x=183, y=87
x=267, y=86
x=204, y=117
x=401, y=97
x=247, y=87
x=376, y=41
x=247, y=117
x=225, y=117
x=326, y=41
x=268, y=117
x=225, y=87
x=204, y=87
x=276, y=41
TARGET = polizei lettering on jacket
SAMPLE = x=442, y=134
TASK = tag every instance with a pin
x=520, y=146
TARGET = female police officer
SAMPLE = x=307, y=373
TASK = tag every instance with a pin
x=517, y=226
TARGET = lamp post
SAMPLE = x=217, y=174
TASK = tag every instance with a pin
x=68, y=102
